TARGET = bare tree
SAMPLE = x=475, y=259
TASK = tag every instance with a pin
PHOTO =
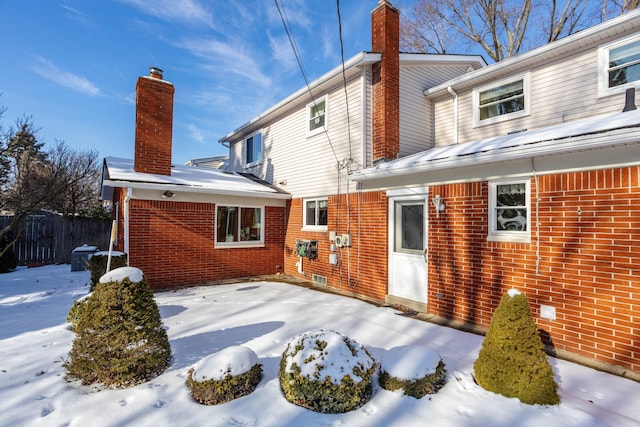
x=502, y=28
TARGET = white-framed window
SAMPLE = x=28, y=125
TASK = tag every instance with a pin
x=253, y=149
x=317, y=116
x=509, y=211
x=315, y=214
x=504, y=100
x=619, y=66
x=239, y=226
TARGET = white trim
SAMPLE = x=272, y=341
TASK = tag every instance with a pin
x=243, y=243
x=526, y=92
x=495, y=235
x=603, y=68
x=315, y=227
x=325, y=126
x=245, y=156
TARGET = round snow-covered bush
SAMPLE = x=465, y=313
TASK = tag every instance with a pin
x=414, y=369
x=326, y=372
x=120, y=341
x=221, y=377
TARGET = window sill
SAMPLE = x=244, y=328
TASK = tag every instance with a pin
x=508, y=239
x=253, y=164
x=316, y=228
x=237, y=245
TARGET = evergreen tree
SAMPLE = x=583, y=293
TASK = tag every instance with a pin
x=512, y=361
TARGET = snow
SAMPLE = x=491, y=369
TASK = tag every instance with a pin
x=106, y=253
x=263, y=316
x=513, y=293
x=410, y=362
x=121, y=273
x=333, y=361
x=234, y=360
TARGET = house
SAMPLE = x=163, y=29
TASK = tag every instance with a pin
x=185, y=224
x=433, y=182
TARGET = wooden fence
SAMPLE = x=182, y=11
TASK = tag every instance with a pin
x=50, y=239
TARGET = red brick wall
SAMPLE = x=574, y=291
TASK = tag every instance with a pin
x=363, y=272
x=154, y=126
x=385, y=38
x=589, y=267
x=173, y=244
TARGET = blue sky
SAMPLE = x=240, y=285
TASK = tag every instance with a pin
x=73, y=64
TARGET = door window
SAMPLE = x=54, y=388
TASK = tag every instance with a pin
x=409, y=227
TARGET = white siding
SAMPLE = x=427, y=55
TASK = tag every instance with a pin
x=562, y=90
x=416, y=115
x=308, y=165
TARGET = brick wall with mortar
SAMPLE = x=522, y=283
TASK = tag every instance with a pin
x=589, y=261
x=362, y=268
x=173, y=244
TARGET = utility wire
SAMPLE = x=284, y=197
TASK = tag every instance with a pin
x=296, y=52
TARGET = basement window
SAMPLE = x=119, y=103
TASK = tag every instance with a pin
x=509, y=211
x=239, y=226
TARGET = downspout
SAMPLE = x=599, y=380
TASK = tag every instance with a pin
x=127, y=197
x=455, y=113
x=363, y=112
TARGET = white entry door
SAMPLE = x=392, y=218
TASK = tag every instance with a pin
x=408, y=247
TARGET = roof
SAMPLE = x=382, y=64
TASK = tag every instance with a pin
x=595, y=35
x=351, y=66
x=119, y=172
x=593, y=133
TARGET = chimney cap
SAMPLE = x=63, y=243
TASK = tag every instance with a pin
x=155, y=72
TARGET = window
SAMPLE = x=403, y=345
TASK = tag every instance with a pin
x=253, y=148
x=315, y=214
x=236, y=225
x=509, y=211
x=503, y=101
x=619, y=66
x=317, y=116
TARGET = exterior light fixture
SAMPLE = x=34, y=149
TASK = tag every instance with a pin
x=438, y=203
x=168, y=194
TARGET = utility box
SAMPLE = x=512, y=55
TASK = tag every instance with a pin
x=80, y=257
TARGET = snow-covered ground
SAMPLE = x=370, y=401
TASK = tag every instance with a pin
x=34, y=341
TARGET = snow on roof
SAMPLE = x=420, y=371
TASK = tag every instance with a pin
x=580, y=135
x=120, y=173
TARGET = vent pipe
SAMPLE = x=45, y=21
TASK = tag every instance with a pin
x=630, y=100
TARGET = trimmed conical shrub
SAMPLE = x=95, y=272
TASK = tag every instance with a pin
x=512, y=361
x=120, y=340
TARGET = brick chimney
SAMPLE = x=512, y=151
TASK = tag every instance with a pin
x=385, y=39
x=154, y=124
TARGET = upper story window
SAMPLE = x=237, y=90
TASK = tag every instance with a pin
x=500, y=101
x=253, y=149
x=619, y=66
x=509, y=211
x=239, y=226
x=315, y=214
x=317, y=116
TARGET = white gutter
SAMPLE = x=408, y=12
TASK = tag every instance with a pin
x=191, y=189
x=127, y=197
x=455, y=113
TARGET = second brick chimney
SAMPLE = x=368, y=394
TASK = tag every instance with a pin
x=154, y=124
x=385, y=38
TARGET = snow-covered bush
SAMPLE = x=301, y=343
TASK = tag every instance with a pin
x=75, y=312
x=326, y=372
x=512, y=361
x=119, y=340
x=414, y=369
x=221, y=377
x=98, y=264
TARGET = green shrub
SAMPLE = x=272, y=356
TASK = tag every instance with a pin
x=415, y=370
x=75, y=312
x=98, y=264
x=120, y=341
x=512, y=361
x=326, y=372
x=213, y=392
